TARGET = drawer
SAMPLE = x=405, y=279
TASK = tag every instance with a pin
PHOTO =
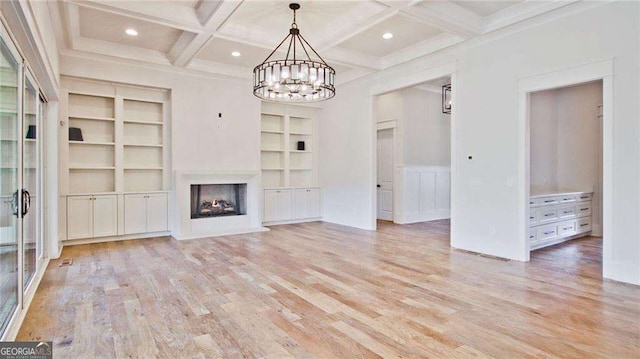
x=567, y=211
x=583, y=225
x=533, y=216
x=584, y=197
x=568, y=198
x=547, y=232
x=548, y=200
x=546, y=215
x=533, y=235
x=567, y=228
x=583, y=209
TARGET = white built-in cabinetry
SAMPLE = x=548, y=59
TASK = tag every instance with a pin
x=289, y=174
x=145, y=212
x=92, y=216
x=557, y=217
x=123, y=156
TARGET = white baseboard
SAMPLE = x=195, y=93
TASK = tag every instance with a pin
x=423, y=216
x=74, y=242
x=291, y=221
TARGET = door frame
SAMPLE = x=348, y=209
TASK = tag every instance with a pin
x=398, y=83
x=381, y=126
x=601, y=70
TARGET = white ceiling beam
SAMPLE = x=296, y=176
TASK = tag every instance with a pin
x=446, y=16
x=522, y=11
x=428, y=46
x=72, y=23
x=176, y=14
x=182, y=54
x=118, y=50
x=357, y=27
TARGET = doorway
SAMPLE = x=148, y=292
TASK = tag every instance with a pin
x=565, y=166
x=385, y=167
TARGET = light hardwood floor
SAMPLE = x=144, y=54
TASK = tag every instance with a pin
x=319, y=290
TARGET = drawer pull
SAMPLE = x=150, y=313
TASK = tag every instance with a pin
x=532, y=217
x=530, y=237
x=584, y=224
x=567, y=199
x=584, y=197
x=549, y=201
x=550, y=232
x=531, y=202
x=566, y=212
x=584, y=209
x=549, y=214
x=565, y=228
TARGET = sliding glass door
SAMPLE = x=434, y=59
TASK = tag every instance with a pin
x=21, y=163
x=31, y=196
x=10, y=165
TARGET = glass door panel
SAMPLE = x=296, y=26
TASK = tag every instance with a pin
x=30, y=177
x=10, y=82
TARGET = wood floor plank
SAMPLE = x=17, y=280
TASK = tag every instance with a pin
x=318, y=290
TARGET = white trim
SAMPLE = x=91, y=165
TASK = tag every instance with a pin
x=599, y=70
x=385, y=125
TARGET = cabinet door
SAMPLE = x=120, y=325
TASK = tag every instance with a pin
x=300, y=200
x=285, y=204
x=157, y=220
x=79, y=217
x=313, y=203
x=270, y=205
x=105, y=216
x=135, y=213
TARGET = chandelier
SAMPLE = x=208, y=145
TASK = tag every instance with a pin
x=297, y=78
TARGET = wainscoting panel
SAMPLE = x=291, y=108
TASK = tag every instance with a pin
x=426, y=194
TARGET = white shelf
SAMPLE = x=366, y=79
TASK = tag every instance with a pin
x=91, y=167
x=92, y=143
x=273, y=132
x=143, y=168
x=296, y=151
x=273, y=169
x=271, y=150
x=144, y=122
x=300, y=134
x=142, y=145
x=301, y=169
x=92, y=118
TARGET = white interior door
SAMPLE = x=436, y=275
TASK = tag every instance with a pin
x=385, y=174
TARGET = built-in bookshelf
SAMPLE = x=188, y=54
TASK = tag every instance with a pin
x=283, y=163
x=123, y=141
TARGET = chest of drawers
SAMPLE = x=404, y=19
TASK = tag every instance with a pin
x=554, y=218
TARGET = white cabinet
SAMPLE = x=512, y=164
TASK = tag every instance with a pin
x=145, y=212
x=288, y=205
x=92, y=216
x=558, y=217
x=307, y=203
x=278, y=205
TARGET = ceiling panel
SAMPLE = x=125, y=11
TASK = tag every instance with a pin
x=485, y=8
x=318, y=20
x=219, y=50
x=406, y=32
x=110, y=27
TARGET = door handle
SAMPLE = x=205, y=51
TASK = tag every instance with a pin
x=26, y=202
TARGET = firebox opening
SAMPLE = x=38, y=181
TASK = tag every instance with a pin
x=216, y=200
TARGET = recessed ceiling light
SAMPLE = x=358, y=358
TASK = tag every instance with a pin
x=387, y=35
x=235, y=54
x=131, y=32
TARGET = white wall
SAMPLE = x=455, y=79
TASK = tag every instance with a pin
x=427, y=131
x=485, y=205
x=566, y=143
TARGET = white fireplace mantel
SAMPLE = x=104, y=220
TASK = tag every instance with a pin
x=187, y=228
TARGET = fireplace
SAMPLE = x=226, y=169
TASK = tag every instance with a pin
x=218, y=200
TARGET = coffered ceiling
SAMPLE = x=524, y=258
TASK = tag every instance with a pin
x=203, y=34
